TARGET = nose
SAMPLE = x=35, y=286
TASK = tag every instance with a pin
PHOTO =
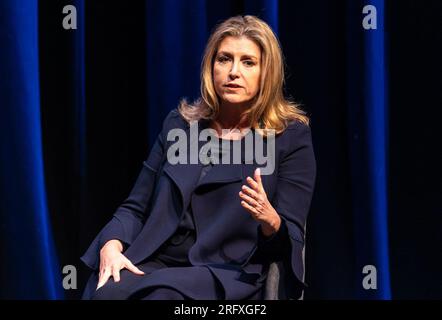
x=234, y=72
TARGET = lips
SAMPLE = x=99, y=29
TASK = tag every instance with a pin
x=232, y=85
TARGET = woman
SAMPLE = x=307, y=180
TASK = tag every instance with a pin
x=210, y=230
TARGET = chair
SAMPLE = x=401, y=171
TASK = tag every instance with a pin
x=280, y=282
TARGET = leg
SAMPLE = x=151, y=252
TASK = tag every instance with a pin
x=123, y=289
x=163, y=294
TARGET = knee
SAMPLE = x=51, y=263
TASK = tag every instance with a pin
x=163, y=294
x=110, y=292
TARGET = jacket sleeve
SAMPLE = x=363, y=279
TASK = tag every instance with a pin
x=130, y=216
x=296, y=179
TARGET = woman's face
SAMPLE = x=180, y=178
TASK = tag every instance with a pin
x=236, y=70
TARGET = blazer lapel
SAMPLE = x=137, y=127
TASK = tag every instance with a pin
x=186, y=175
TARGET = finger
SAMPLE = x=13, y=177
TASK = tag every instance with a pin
x=253, y=184
x=133, y=268
x=248, y=199
x=250, y=209
x=116, y=274
x=101, y=274
x=103, y=278
x=250, y=192
x=258, y=179
x=258, y=176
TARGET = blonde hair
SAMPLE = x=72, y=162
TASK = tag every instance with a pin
x=270, y=110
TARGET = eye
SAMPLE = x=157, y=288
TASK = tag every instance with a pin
x=223, y=59
x=249, y=63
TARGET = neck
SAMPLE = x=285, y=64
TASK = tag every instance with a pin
x=231, y=116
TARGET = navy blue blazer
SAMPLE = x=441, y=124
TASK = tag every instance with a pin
x=227, y=236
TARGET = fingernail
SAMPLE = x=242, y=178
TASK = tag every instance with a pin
x=258, y=171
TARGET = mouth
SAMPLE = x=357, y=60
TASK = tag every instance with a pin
x=232, y=86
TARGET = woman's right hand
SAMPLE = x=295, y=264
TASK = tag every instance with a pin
x=112, y=261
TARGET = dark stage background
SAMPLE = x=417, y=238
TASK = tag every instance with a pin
x=98, y=96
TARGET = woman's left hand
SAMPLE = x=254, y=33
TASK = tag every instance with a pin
x=254, y=200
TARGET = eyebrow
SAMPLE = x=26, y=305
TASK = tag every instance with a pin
x=249, y=56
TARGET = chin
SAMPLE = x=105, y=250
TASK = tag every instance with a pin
x=234, y=100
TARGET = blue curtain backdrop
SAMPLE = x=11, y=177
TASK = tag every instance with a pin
x=80, y=109
x=367, y=130
x=30, y=268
